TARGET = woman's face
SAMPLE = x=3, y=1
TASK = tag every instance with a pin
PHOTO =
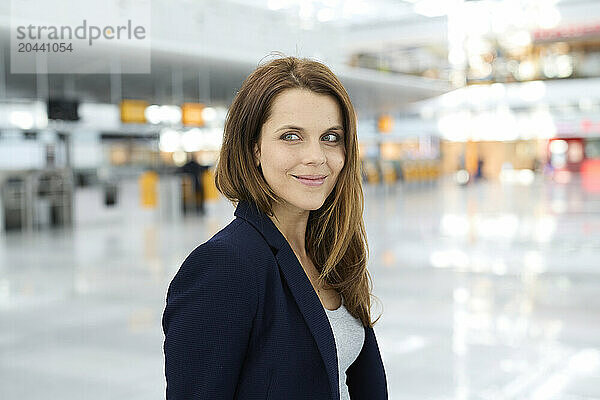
x=303, y=139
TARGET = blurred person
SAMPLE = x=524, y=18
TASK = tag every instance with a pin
x=537, y=165
x=276, y=305
x=196, y=171
x=479, y=173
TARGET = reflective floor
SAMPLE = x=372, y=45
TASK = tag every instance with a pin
x=489, y=291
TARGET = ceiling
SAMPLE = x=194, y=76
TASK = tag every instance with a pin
x=177, y=78
x=185, y=75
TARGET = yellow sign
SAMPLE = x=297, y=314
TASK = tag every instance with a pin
x=210, y=189
x=132, y=111
x=471, y=157
x=148, y=182
x=385, y=124
x=191, y=114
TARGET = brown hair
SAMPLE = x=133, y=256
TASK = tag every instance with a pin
x=336, y=239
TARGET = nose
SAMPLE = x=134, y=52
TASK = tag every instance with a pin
x=314, y=154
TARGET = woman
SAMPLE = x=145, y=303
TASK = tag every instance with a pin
x=276, y=305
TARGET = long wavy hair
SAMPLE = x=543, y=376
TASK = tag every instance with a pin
x=336, y=238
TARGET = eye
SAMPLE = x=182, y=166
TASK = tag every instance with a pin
x=335, y=136
x=288, y=134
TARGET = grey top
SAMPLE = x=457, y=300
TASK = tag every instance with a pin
x=349, y=335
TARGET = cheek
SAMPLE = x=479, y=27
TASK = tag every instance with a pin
x=337, y=161
x=280, y=162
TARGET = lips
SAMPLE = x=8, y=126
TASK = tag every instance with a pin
x=311, y=177
x=311, y=180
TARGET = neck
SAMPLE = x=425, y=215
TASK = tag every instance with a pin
x=291, y=222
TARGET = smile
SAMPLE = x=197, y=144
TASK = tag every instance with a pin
x=310, y=181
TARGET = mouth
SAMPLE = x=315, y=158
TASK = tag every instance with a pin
x=311, y=180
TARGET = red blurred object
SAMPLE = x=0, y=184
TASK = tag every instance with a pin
x=579, y=155
x=586, y=125
x=590, y=175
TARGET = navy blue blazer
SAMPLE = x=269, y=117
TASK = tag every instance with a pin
x=242, y=321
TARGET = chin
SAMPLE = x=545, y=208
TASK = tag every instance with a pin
x=308, y=204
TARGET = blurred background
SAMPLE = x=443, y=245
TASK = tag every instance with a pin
x=479, y=132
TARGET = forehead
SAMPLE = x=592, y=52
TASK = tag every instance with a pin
x=304, y=108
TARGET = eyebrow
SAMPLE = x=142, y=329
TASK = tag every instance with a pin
x=333, y=128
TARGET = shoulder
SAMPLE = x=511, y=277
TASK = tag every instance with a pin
x=247, y=242
x=233, y=257
x=214, y=262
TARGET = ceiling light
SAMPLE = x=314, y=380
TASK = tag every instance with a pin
x=209, y=114
x=549, y=17
x=431, y=8
x=22, y=119
x=169, y=140
x=325, y=14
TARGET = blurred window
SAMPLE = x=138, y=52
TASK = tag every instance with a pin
x=592, y=148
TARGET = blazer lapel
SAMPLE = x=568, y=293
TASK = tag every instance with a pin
x=304, y=294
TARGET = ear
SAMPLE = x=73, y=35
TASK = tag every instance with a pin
x=256, y=154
